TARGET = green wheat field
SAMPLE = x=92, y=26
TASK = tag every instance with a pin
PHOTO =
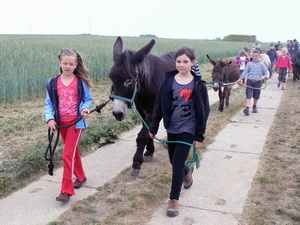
x=27, y=62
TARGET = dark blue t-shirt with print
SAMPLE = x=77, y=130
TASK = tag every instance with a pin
x=183, y=118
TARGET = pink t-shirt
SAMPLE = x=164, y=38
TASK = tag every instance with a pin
x=68, y=100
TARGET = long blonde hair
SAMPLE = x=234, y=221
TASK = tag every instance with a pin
x=80, y=71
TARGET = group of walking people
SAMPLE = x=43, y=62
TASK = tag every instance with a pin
x=259, y=65
x=182, y=102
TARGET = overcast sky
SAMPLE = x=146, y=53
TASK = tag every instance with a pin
x=270, y=20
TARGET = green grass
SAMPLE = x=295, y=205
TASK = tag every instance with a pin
x=15, y=170
x=295, y=216
x=27, y=62
x=124, y=212
x=263, y=180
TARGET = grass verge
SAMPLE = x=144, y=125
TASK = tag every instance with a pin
x=24, y=138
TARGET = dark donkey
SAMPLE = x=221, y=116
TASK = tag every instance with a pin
x=295, y=58
x=224, y=73
x=148, y=72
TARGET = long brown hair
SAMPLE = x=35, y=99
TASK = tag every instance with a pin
x=80, y=71
x=186, y=50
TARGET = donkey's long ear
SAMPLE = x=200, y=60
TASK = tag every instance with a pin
x=118, y=48
x=211, y=61
x=224, y=63
x=138, y=57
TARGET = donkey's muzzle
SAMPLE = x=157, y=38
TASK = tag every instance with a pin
x=119, y=116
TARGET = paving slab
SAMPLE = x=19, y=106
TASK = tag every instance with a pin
x=264, y=116
x=193, y=216
x=222, y=183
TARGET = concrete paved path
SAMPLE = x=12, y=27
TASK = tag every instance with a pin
x=220, y=187
x=222, y=183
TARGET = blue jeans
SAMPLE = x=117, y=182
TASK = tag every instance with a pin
x=282, y=73
x=271, y=69
x=253, y=89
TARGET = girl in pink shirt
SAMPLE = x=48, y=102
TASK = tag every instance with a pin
x=69, y=98
x=283, y=65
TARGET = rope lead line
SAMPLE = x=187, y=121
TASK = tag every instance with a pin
x=49, y=153
x=232, y=83
x=195, y=158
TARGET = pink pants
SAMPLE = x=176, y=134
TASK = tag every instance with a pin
x=71, y=157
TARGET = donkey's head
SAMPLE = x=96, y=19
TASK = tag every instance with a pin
x=218, y=71
x=124, y=74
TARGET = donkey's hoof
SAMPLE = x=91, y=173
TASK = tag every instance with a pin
x=148, y=158
x=135, y=172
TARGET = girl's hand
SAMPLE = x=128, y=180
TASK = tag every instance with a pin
x=151, y=135
x=52, y=125
x=198, y=144
x=85, y=113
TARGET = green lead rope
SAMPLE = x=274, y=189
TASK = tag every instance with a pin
x=195, y=158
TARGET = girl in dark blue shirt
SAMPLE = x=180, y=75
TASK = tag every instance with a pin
x=183, y=103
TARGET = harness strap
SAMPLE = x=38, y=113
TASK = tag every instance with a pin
x=132, y=105
x=131, y=101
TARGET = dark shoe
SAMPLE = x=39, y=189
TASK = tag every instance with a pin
x=278, y=85
x=173, y=208
x=63, y=197
x=78, y=184
x=246, y=111
x=188, y=179
x=254, y=110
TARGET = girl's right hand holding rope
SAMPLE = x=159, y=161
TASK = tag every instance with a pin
x=52, y=125
x=85, y=113
x=151, y=135
x=197, y=144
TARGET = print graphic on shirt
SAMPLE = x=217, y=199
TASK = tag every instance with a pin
x=185, y=108
x=68, y=103
x=186, y=94
x=174, y=106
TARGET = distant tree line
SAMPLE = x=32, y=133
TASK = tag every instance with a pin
x=238, y=37
x=148, y=36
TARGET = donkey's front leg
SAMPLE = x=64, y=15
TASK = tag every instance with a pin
x=228, y=90
x=142, y=139
x=148, y=156
x=221, y=97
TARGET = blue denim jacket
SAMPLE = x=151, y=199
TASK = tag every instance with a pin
x=51, y=103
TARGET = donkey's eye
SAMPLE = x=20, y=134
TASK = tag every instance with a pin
x=127, y=82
